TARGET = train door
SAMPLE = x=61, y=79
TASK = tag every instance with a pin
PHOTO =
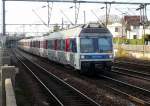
x=73, y=51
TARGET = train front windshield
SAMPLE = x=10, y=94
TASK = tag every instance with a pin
x=96, y=45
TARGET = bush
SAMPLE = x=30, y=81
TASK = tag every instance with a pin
x=128, y=41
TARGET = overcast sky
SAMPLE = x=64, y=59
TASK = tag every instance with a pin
x=22, y=12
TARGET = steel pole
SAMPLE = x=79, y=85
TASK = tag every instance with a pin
x=48, y=14
x=106, y=16
x=75, y=13
x=3, y=26
x=84, y=17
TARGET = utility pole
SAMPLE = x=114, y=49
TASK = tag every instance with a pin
x=3, y=26
x=84, y=17
x=75, y=12
x=106, y=16
x=107, y=12
x=143, y=15
x=62, y=23
x=143, y=6
x=48, y=13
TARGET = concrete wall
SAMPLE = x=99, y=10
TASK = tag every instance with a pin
x=7, y=71
x=10, y=95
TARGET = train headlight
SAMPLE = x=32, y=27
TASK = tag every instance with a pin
x=110, y=56
x=82, y=56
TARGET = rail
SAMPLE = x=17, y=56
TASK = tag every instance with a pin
x=132, y=73
x=131, y=96
x=71, y=96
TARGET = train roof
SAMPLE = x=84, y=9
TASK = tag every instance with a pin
x=75, y=32
x=80, y=31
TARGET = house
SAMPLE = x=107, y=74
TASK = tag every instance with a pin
x=117, y=29
x=130, y=28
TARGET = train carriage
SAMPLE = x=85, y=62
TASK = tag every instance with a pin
x=43, y=51
x=82, y=47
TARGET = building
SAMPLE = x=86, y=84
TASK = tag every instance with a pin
x=130, y=28
x=117, y=29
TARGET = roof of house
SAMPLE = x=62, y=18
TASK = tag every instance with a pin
x=132, y=20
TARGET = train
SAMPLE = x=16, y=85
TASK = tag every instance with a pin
x=83, y=47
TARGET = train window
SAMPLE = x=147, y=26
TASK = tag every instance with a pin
x=62, y=45
x=86, y=45
x=55, y=44
x=46, y=44
x=41, y=45
x=51, y=44
x=116, y=29
x=105, y=44
x=58, y=44
x=33, y=43
x=67, y=44
x=38, y=44
x=73, y=45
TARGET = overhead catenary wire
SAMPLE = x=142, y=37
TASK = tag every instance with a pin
x=99, y=20
x=39, y=17
x=66, y=17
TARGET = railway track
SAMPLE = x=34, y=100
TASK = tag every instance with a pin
x=61, y=93
x=131, y=73
x=132, y=92
x=140, y=67
x=132, y=63
x=135, y=94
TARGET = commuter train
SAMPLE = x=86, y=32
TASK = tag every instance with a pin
x=82, y=47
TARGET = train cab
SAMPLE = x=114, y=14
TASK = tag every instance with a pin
x=95, y=48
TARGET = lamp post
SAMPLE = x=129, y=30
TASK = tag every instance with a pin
x=123, y=24
x=3, y=26
x=143, y=7
x=107, y=13
x=84, y=17
x=76, y=11
x=122, y=15
x=143, y=15
x=49, y=12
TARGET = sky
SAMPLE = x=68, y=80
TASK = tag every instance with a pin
x=22, y=13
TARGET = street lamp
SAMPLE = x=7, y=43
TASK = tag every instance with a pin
x=84, y=17
x=107, y=12
x=122, y=13
x=49, y=12
x=76, y=11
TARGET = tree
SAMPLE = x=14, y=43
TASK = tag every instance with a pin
x=56, y=28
